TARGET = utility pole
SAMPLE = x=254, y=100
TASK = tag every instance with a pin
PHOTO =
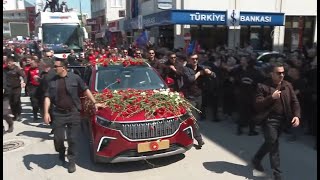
x=81, y=14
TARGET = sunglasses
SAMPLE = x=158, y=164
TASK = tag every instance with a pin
x=56, y=66
x=279, y=73
x=194, y=58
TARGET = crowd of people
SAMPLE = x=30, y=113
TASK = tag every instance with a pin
x=235, y=71
x=220, y=81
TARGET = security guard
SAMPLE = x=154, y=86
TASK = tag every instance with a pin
x=6, y=109
x=62, y=96
x=15, y=81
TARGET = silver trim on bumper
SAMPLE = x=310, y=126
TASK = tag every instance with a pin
x=127, y=159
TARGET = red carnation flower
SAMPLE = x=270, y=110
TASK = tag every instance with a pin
x=105, y=91
x=100, y=60
x=125, y=63
x=105, y=64
x=133, y=63
x=182, y=110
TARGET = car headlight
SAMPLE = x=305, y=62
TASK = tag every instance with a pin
x=107, y=123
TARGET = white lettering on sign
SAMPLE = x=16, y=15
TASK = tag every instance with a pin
x=265, y=19
x=207, y=17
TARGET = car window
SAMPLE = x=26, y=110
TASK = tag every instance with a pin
x=123, y=78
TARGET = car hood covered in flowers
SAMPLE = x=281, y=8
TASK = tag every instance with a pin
x=137, y=105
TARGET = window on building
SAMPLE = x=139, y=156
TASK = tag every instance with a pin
x=259, y=37
x=116, y=3
x=218, y=35
x=299, y=32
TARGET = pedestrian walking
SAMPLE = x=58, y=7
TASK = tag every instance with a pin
x=6, y=109
x=62, y=96
x=246, y=79
x=15, y=81
x=193, y=76
x=277, y=102
x=33, y=83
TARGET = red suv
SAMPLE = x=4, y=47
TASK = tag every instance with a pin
x=118, y=137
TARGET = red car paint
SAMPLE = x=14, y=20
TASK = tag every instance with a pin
x=121, y=146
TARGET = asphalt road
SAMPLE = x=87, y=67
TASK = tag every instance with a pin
x=225, y=156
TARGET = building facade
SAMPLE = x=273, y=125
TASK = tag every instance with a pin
x=18, y=11
x=266, y=25
x=106, y=16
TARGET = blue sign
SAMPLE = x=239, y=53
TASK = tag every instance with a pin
x=195, y=17
x=198, y=17
x=263, y=19
x=157, y=19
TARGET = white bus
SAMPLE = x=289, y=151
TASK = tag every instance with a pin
x=60, y=32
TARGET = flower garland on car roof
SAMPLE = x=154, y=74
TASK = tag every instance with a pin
x=153, y=103
x=105, y=62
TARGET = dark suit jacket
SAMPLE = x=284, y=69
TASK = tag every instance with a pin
x=264, y=100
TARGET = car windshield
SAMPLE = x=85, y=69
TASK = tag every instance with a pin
x=135, y=77
x=62, y=37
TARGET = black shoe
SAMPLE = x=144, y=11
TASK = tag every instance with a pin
x=257, y=165
x=199, y=145
x=253, y=133
x=10, y=130
x=71, y=167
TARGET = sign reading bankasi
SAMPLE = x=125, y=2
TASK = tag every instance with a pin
x=255, y=18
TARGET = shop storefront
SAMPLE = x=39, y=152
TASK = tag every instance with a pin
x=114, y=34
x=210, y=28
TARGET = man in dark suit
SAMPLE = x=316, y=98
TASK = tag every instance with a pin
x=276, y=97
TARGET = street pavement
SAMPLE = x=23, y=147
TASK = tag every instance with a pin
x=225, y=156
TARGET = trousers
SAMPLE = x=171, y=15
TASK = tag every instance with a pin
x=271, y=129
x=34, y=98
x=70, y=123
x=15, y=101
x=197, y=103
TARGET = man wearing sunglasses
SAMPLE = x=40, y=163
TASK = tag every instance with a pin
x=155, y=63
x=125, y=54
x=63, y=98
x=276, y=100
x=192, y=89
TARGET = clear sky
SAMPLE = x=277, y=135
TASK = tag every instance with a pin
x=85, y=4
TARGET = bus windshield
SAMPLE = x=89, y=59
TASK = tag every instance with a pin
x=62, y=37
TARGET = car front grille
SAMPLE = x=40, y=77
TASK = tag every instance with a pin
x=150, y=129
